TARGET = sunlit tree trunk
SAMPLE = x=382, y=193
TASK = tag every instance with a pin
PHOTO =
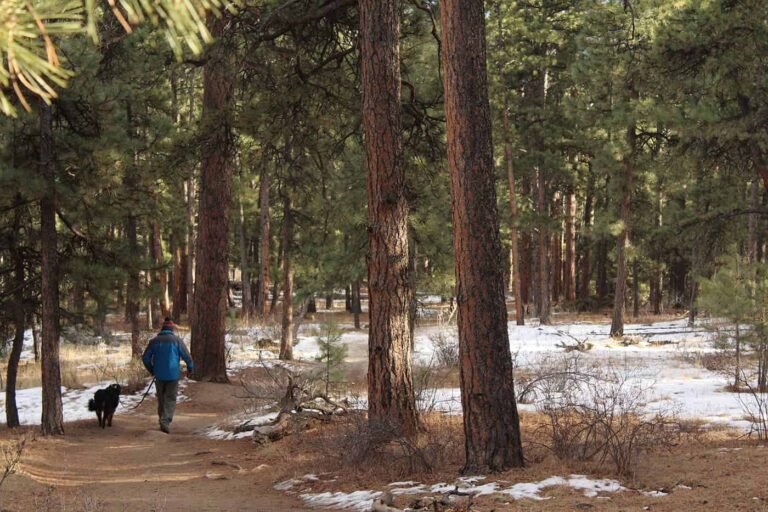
x=491, y=423
x=286, y=339
x=391, y=400
x=622, y=242
x=18, y=284
x=513, y=232
x=52, y=421
x=262, y=298
x=211, y=276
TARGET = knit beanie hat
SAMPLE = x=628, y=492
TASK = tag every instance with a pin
x=168, y=324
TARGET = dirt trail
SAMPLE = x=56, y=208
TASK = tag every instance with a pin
x=135, y=467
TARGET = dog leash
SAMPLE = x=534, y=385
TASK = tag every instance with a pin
x=143, y=397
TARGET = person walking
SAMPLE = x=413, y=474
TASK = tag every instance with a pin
x=162, y=358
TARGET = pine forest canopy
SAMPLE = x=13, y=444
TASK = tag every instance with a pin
x=624, y=155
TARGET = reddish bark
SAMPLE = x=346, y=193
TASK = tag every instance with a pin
x=392, y=403
x=52, y=421
x=491, y=423
x=513, y=231
x=211, y=278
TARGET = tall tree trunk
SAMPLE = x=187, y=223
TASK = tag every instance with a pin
x=161, y=275
x=262, y=298
x=657, y=282
x=514, y=250
x=391, y=399
x=617, y=321
x=491, y=423
x=356, y=307
x=286, y=339
x=557, y=248
x=211, y=279
x=133, y=289
x=635, y=288
x=246, y=307
x=52, y=421
x=189, y=255
x=19, y=319
x=412, y=304
x=542, y=262
x=585, y=239
x=179, y=281
x=569, y=267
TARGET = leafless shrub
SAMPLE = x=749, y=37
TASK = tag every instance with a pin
x=446, y=348
x=88, y=503
x=12, y=453
x=601, y=415
x=272, y=330
x=720, y=362
x=754, y=403
x=382, y=448
x=132, y=376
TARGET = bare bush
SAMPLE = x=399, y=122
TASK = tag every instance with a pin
x=600, y=414
x=754, y=403
x=132, y=376
x=12, y=453
x=445, y=348
x=383, y=450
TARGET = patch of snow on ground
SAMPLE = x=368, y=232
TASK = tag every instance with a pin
x=74, y=402
x=357, y=500
x=224, y=431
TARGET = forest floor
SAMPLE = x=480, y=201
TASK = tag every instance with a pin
x=132, y=466
x=135, y=467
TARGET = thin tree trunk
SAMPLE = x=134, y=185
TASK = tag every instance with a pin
x=211, y=277
x=657, y=282
x=52, y=420
x=133, y=289
x=179, y=282
x=569, y=267
x=161, y=274
x=491, y=423
x=189, y=255
x=19, y=316
x=514, y=251
x=36, y=339
x=246, y=306
x=262, y=298
x=543, y=261
x=275, y=295
x=617, y=321
x=557, y=248
x=412, y=304
x=635, y=288
x=348, y=298
x=585, y=239
x=391, y=399
x=286, y=339
x=356, y=308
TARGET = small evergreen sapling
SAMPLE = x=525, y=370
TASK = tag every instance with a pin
x=333, y=353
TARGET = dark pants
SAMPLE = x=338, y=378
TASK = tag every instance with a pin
x=166, y=400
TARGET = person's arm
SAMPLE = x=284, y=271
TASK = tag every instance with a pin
x=148, y=358
x=186, y=357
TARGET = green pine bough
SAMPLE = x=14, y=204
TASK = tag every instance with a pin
x=31, y=65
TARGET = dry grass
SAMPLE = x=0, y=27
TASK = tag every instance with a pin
x=80, y=364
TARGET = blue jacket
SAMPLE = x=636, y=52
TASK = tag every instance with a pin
x=163, y=354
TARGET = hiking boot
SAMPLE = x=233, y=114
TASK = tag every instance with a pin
x=165, y=428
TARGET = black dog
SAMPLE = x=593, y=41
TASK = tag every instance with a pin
x=105, y=402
